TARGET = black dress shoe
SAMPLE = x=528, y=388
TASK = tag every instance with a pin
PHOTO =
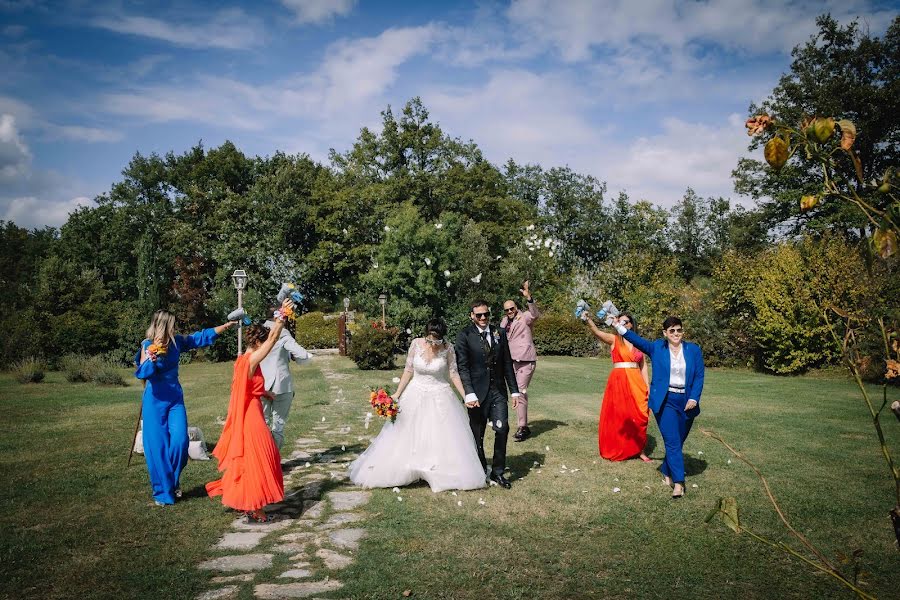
x=522, y=434
x=501, y=481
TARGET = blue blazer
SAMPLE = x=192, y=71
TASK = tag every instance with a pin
x=658, y=351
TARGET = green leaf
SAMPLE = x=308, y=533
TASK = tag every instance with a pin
x=727, y=509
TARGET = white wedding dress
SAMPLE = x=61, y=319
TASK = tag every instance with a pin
x=430, y=438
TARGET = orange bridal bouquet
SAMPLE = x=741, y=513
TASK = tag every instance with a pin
x=157, y=350
x=384, y=405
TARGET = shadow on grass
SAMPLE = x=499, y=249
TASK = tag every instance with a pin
x=521, y=464
x=694, y=466
x=544, y=425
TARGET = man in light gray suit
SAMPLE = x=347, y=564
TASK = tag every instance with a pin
x=276, y=370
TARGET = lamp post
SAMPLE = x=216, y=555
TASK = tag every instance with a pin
x=342, y=329
x=382, y=299
x=239, y=278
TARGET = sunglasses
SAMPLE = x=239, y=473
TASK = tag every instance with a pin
x=483, y=315
x=675, y=330
x=510, y=309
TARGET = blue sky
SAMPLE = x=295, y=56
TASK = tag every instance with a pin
x=647, y=95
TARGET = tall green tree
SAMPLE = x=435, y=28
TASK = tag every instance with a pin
x=844, y=72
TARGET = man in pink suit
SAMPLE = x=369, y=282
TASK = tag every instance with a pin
x=518, y=326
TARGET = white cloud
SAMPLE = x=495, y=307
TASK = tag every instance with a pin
x=660, y=167
x=30, y=212
x=577, y=27
x=87, y=134
x=517, y=113
x=29, y=197
x=318, y=11
x=230, y=29
x=15, y=156
x=351, y=79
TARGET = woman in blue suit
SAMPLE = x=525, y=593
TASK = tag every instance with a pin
x=162, y=410
x=675, y=390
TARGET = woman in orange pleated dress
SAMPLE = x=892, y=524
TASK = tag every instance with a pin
x=248, y=457
x=622, y=431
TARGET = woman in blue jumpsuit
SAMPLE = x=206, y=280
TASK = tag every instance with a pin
x=165, y=420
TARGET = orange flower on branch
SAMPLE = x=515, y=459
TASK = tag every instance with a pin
x=893, y=369
x=758, y=124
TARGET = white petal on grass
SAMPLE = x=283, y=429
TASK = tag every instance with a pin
x=616, y=490
x=695, y=486
x=343, y=448
x=498, y=257
x=448, y=284
x=395, y=380
x=306, y=465
x=396, y=490
x=481, y=501
x=399, y=498
x=459, y=503
x=729, y=461
x=323, y=419
x=565, y=467
x=547, y=448
x=408, y=331
x=700, y=452
x=345, y=232
x=454, y=493
x=550, y=254
x=530, y=227
x=446, y=273
x=387, y=228
x=438, y=225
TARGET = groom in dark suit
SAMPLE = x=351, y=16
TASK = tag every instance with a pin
x=486, y=369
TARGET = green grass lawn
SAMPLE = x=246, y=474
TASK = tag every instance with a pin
x=77, y=524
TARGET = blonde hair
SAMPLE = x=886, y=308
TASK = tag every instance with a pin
x=162, y=325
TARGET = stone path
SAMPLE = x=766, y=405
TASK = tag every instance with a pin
x=318, y=529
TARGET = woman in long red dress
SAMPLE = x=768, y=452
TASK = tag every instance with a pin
x=622, y=431
x=248, y=457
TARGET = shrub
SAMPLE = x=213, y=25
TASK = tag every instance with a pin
x=77, y=367
x=29, y=370
x=373, y=347
x=313, y=331
x=80, y=368
x=563, y=335
x=107, y=373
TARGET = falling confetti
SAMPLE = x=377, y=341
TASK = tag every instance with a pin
x=438, y=225
x=446, y=273
x=387, y=228
x=448, y=284
x=345, y=231
x=476, y=279
x=428, y=261
x=343, y=448
x=530, y=227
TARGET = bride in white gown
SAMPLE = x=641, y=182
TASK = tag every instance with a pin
x=430, y=438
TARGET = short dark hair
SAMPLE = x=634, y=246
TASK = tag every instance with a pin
x=256, y=334
x=437, y=327
x=671, y=321
x=478, y=302
x=633, y=322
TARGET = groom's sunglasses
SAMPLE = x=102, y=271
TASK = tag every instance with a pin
x=483, y=315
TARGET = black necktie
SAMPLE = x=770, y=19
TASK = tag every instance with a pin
x=484, y=340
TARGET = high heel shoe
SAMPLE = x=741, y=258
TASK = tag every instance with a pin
x=252, y=517
x=678, y=491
